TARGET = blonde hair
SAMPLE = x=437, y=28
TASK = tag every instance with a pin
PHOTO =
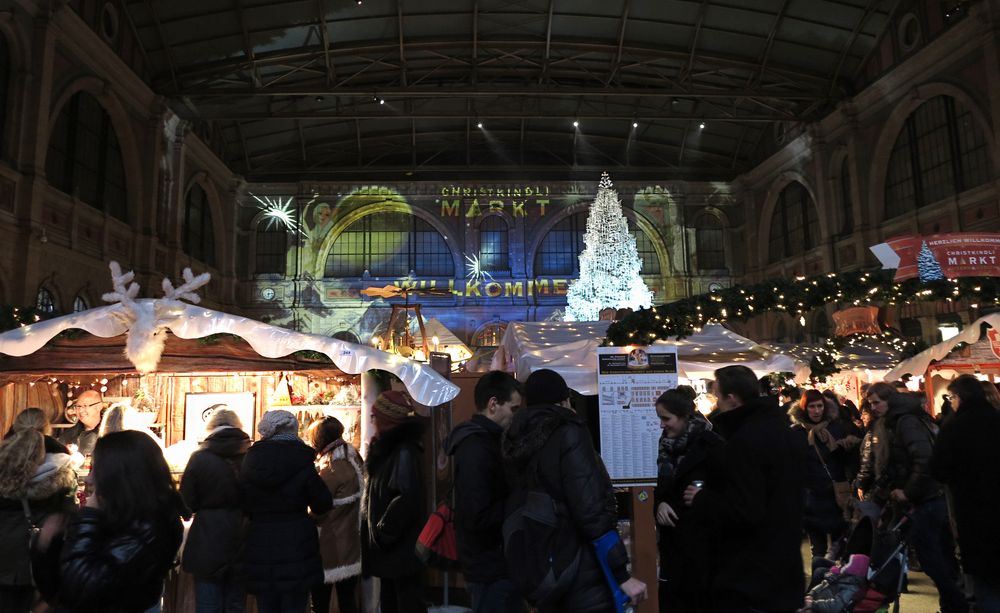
x=22, y=452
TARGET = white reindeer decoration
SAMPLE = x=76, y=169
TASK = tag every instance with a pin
x=147, y=319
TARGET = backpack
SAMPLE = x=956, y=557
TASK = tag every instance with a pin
x=436, y=546
x=541, y=546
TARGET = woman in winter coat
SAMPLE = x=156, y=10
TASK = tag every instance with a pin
x=689, y=452
x=817, y=420
x=339, y=533
x=36, y=480
x=211, y=490
x=118, y=550
x=393, y=509
x=280, y=486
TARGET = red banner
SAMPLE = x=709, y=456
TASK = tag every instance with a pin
x=941, y=256
x=856, y=320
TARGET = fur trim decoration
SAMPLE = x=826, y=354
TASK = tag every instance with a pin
x=333, y=575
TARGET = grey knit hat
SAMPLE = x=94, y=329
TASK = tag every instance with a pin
x=277, y=422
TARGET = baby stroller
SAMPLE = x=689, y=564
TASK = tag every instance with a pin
x=870, y=575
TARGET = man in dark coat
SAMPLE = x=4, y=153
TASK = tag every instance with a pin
x=549, y=440
x=481, y=491
x=967, y=459
x=211, y=490
x=84, y=433
x=280, y=486
x=909, y=440
x=756, y=512
x=393, y=507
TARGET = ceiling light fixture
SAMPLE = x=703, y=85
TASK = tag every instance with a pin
x=635, y=124
x=576, y=124
x=479, y=125
x=381, y=100
x=701, y=126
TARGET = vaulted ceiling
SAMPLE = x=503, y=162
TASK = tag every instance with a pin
x=340, y=89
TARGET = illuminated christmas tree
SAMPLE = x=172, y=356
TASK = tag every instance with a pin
x=927, y=265
x=609, y=264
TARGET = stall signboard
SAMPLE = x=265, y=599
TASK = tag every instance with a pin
x=198, y=407
x=941, y=256
x=629, y=380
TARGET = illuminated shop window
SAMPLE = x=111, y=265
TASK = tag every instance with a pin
x=390, y=245
x=45, y=302
x=940, y=152
x=272, y=245
x=84, y=159
x=559, y=252
x=80, y=304
x=199, y=240
x=794, y=225
x=493, y=245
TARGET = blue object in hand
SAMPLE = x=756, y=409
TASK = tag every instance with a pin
x=603, y=546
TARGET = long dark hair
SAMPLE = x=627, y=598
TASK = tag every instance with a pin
x=133, y=480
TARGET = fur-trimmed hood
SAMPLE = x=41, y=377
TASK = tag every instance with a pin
x=55, y=474
x=411, y=431
x=799, y=416
x=530, y=429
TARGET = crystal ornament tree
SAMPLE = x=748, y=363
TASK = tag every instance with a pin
x=609, y=264
x=927, y=265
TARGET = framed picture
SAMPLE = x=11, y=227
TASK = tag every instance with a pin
x=198, y=407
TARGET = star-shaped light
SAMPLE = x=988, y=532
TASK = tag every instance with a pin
x=474, y=270
x=279, y=213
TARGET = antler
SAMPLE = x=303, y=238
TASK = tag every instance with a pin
x=122, y=294
x=186, y=291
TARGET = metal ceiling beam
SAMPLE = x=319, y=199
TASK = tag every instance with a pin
x=850, y=43
x=621, y=43
x=166, y=45
x=702, y=9
x=321, y=13
x=475, y=42
x=500, y=115
x=544, y=75
x=402, y=53
x=243, y=141
x=878, y=39
x=486, y=90
x=766, y=53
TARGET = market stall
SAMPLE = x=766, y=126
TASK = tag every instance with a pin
x=855, y=365
x=570, y=348
x=975, y=350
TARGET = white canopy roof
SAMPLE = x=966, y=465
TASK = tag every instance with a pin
x=187, y=321
x=570, y=348
x=917, y=365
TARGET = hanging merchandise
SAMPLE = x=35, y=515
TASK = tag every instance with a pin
x=610, y=263
x=281, y=397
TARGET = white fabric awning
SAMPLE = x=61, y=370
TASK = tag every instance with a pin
x=917, y=365
x=570, y=348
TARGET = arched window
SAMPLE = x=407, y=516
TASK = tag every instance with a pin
x=709, y=241
x=347, y=336
x=846, y=199
x=272, y=245
x=80, y=304
x=4, y=86
x=490, y=334
x=84, y=158
x=493, y=246
x=794, y=225
x=390, y=245
x=941, y=151
x=45, y=302
x=199, y=241
x=559, y=252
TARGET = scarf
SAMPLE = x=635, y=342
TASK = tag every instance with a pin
x=818, y=431
x=672, y=450
x=329, y=448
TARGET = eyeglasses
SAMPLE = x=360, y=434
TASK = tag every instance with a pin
x=87, y=406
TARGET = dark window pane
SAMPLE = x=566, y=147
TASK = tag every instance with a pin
x=390, y=245
x=272, y=244
x=795, y=224
x=198, y=236
x=710, y=251
x=45, y=302
x=559, y=252
x=4, y=84
x=846, y=199
x=647, y=253
x=493, y=246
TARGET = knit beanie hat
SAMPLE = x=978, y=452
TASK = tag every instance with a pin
x=394, y=405
x=545, y=387
x=277, y=422
x=221, y=416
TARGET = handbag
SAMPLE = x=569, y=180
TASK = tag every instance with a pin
x=841, y=489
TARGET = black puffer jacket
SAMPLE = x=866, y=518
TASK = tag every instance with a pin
x=911, y=433
x=554, y=439
x=823, y=467
x=52, y=489
x=280, y=485
x=757, y=512
x=104, y=570
x=480, y=493
x=967, y=459
x=211, y=489
x=394, y=507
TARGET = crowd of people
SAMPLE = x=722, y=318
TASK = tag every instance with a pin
x=300, y=522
